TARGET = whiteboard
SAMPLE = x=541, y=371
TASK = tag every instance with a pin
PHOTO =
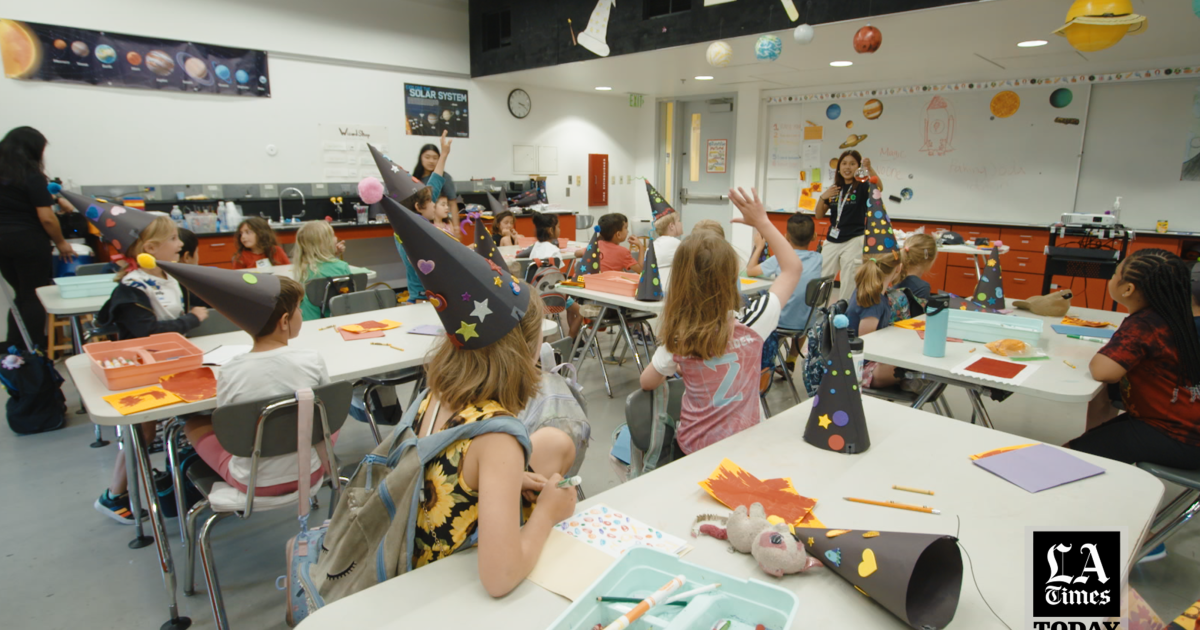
x=946, y=150
x=1139, y=135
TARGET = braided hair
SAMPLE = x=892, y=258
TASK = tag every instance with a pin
x=1162, y=277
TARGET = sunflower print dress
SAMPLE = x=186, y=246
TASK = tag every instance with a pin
x=449, y=512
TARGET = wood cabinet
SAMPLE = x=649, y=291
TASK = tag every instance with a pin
x=597, y=179
x=1026, y=239
x=215, y=249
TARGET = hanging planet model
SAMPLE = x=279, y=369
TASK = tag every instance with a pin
x=719, y=54
x=768, y=47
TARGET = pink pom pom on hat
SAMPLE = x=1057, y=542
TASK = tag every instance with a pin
x=371, y=190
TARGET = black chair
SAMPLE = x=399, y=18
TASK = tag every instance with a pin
x=214, y=325
x=646, y=434
x=320, y=291
x=362, y=301
x=261, y=428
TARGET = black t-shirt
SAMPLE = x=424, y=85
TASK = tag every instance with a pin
x=852, y=220
x=19, y=201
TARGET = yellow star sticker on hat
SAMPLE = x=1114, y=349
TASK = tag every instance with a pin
x=498, y=281
x=466, y=331
x=992, y=263
x=824, y=421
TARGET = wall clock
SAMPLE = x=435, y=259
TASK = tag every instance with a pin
x=519, y=103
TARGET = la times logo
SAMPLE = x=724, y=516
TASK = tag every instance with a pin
x=1076, y=575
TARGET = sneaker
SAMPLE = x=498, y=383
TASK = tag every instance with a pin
x=1157, y=553
x=116, y=508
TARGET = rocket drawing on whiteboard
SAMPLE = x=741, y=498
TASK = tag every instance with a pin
x=596, y=35
x=939, y=127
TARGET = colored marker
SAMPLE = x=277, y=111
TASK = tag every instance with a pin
x=572, y=482
x=1085, y=338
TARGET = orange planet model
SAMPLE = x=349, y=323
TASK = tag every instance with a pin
x=134, y=58
x=21, y=49
x=873, y=109
x=1005, y=104
x=60, y=44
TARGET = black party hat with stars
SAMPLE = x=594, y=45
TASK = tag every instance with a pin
x=880, y=238
x=401, y=185
x=119, y=226
x=485, y=245
x=650, y=287
x=837, y=422
x=247, y=299
x=590, y=263
x=658, y=205
x=989, y=291
x=477, y=300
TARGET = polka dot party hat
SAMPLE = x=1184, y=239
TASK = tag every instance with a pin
x=658, y=205
x=879, y=238
x=590, y=263
x=119, y=226
x=484, y=244
x=837, y=422
x=650, y=287
x=989, y=291
x=246, y=298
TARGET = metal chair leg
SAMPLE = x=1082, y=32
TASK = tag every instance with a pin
x=980, y=410
x=637, y=356
x=210, y=570
x=189, y=570
x=370, y=414
x=170, y=440
x=766, y=407
x=781, y=361
x=603, y=370
x=1161, y=533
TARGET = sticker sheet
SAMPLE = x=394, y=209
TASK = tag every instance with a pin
x=614, y=533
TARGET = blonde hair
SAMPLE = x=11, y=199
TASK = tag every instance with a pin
x=503, y=371
x=664, y=223
x=315, y=244
x=920, y=250
x=871, y=278
x=160, y=230
x=697, y=318
x=708, y=225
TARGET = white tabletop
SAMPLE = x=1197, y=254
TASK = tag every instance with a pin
x=55, y=304
x=345, y=360
x=612, y=299
x=993, y=513
x=286, y=270
x=970, y=250
x=1054, y=379
x=509, y=252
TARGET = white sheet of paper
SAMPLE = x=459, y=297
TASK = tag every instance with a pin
x=224, y=354
x=568, y=566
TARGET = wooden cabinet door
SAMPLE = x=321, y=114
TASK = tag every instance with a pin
x=597, y=179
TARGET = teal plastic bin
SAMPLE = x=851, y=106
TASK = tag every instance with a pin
x=86, y=286
x=640, y=572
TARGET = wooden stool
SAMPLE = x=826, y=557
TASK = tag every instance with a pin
x=53, y=324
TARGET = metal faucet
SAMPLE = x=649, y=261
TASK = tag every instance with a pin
x=302, y=202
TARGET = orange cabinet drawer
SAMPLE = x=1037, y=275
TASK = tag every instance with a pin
x=1019, y=286
x=972, y=232
x=1025, y=239
x=1089, y=292
x=216, y=249
x=960, y=282
x=966, y=261
x=1023, y=262
x=1154, y=242
x=936, y=276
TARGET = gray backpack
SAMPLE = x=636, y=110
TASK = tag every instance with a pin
x=370, y=537
x=559, y=403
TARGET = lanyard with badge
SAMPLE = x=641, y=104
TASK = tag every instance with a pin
x=842, y=199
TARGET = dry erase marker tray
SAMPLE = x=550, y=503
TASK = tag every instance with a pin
x=615, y=282
x=745, y=604
x=139, y=362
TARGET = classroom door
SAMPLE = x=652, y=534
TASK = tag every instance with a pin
x=703, y=170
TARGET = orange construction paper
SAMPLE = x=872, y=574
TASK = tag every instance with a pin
x=192, y=385
x=371, y=326
x=140, y=400
x=733, y=486
x=351, y=336
x=997, y=451
x=1075, y=321
x=911, y=324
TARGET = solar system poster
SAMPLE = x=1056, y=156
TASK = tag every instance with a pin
x=428, y=111
x=44, y=52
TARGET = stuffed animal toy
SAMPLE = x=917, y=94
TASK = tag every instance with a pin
x=1054, y=305
x=776, y=550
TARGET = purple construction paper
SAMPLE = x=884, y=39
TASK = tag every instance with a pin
x=1037, y=468
x=428, y=329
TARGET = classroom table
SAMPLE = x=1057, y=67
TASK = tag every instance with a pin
x=344, y=360
x=618, y=304
x=509, y=252
x=988, y=514
x=286, y=270
x=1054, y=379
x=976, y=253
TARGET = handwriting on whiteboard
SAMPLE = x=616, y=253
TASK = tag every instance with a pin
x=785, y=145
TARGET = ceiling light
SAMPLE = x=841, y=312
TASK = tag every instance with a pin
x=841, y=64
x=1033, y=43
x=603, y=88
x=704, y=78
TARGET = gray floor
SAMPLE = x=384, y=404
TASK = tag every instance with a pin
x=65, y=566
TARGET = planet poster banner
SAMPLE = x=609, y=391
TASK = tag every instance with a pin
x=429, y=110
x=45, y=52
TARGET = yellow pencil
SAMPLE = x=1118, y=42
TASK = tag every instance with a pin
x=899, y=506
x=916, y=490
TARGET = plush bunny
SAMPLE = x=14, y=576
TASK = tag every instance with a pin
x=748, y=531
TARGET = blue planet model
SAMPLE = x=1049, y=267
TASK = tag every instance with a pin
x=223, y=73
x=907, y=194
x=833, y=111
x=768, y=47
x=105, y=53
x=262, y=79
x=242, y=76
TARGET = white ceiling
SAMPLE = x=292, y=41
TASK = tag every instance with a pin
x=960, y=43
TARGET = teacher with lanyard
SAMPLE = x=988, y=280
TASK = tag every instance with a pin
x=28, y=226
x=847, y=200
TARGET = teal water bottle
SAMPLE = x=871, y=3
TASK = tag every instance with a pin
x=937, y=320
